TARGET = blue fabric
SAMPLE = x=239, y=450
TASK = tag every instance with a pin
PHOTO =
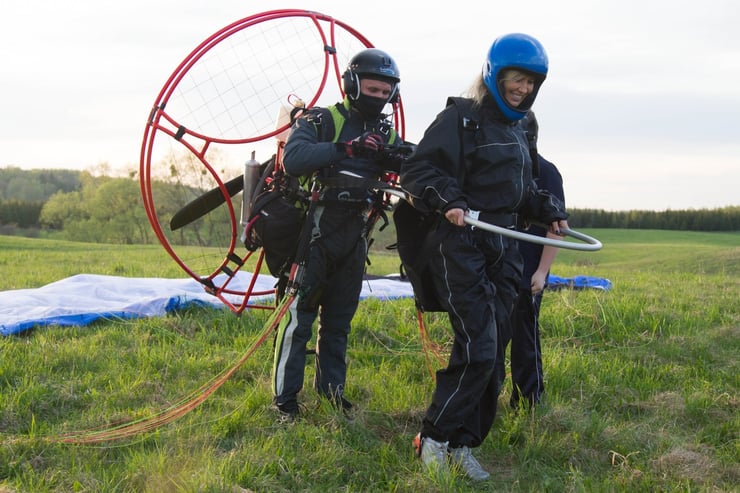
x=82, y=299
x=85, y=298
x=578, y=282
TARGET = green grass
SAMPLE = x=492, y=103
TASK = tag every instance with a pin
x=642, y=385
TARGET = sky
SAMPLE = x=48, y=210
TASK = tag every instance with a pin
x=640, y=108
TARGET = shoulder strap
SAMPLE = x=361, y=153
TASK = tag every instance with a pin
x=465, y=108
x=324, y=121
x=467, y=129
x=339, y=114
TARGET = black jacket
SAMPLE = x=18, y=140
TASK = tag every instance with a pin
x=312, y=143
x=475, y=159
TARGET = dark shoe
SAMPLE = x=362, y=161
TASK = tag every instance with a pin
x=286, y=418
x=347, y=409
x=345, y=405
x=287, y=412
x=339, y=402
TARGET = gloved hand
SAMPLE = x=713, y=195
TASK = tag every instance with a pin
x=391, y=158
x=366, y=145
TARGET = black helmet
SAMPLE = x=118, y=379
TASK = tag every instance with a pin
x=373, y=64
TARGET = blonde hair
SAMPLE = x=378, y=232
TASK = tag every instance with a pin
x=477, y=91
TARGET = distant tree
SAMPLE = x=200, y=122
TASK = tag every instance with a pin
x=36, y=185
x=62, y=209
x=21, y=188
x=722, y=219
x=106, y=210
x=20, y=213
x=117, y=208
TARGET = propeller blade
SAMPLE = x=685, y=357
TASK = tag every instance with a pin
x=204, y=204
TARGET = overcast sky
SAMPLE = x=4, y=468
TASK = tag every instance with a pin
x=640, y=110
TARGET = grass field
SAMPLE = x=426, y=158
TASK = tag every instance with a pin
x=642, y=386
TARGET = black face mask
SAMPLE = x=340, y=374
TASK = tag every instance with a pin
x=369, y=107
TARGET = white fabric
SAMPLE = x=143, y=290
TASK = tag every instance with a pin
x=81, y=299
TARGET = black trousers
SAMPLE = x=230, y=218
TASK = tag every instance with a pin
x=331, y=293
x=476, y=274
x=527, y=376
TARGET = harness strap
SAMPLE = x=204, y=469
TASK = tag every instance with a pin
x=340, y=112
x=346, y=181
x=503, y=219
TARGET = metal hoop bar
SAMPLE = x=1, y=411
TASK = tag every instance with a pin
x=589, y=244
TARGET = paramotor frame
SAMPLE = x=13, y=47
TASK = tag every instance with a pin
x=234, y=90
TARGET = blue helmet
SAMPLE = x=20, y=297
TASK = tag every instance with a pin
x=520, y=52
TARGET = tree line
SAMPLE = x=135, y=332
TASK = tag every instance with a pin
x=77, y=206
x=719, y=219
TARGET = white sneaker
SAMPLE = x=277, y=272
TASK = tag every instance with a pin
x=463, y=457
x=432, y=453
